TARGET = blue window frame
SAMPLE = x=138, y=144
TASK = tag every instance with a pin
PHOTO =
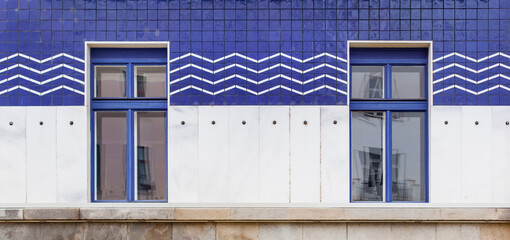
x=389, y=125
x=128, y=125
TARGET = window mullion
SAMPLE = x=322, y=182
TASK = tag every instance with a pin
x=388, y=156
x=135, y=156
x=130, y=156
x=387, y=81
x=130, y=81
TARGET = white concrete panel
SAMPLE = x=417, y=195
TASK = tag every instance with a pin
x=72, y=164
x=274, y=154
x=501, y=154
x=476, y=154
x=12, y=157
x=445, y=154
x=213, y=154
x=305, y=154
x=243, y=153
x=41, y=155
x=335, y=154
x=183, y=154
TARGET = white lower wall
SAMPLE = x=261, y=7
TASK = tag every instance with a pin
x=282, y=162
x=305, y=161
x=500, y=149
x=183, y=154
x=470, y=163
x=274, y=154
x=13, y=155
x=258, y=162
x=43, y=163
x=334, y=142
x=244, y=154
x=72, y=160
x=445, y=161
x=476, y=154
x=296, y=163
x=41, y=140
x=213, y=152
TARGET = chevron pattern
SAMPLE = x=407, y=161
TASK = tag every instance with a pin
x=296, y=75
x=457, y=79
x=280, y=71
x=44, y=86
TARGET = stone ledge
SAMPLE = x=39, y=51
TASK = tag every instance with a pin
x=145, y=214
x=11, y=214
x=198, y=214
x=259, y=214
x=51, y=214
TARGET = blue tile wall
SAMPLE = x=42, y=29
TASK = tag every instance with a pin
x=253, y=52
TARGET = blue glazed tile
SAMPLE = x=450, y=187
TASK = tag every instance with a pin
x=471, y=99
x=405, y=14
x=438, y=99
x=4, y=101
x=504, y=100
x=261, y=28
x=449, y=3
x=494, y=99
x=36, y=4
x=449, y=99
x=319, y=100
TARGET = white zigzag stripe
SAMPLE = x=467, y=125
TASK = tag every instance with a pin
x=43, y=60
x=255, y=71
x=471, y=80
x=41, y=93
x=471, y=91
x=258, y=82
x=254, y=60
x=257, y=93
x=470, y=69
x=41, y=82
x=469, y=58
x=42, y=71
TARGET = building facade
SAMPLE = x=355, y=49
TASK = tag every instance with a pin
x=256, y=119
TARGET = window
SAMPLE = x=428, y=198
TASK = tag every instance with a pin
x=388, y=103
x=128, y=111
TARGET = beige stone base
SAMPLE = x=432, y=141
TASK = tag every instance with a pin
x=253, y=230
x=240, y=223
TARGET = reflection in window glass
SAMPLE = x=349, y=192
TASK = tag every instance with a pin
x=367, y=82
x=408, y=156
x=407, y=82
x=367, y=156
x=151, y=155
x=110, y=81
x=150, y=81
x=111, y=155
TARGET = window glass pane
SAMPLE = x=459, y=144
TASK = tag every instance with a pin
x=407, y=82
x=151, y=155
x=150, y=81
x=408, y=156
x=367, y=82
x=111, y=155
x=367, y=164
x=110, y=81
